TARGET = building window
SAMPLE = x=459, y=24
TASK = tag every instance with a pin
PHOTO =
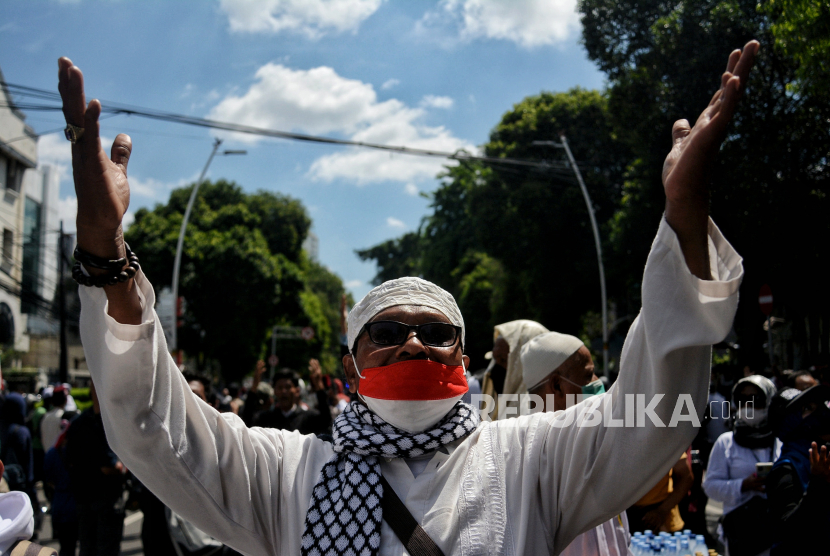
x=14, y=173
x=6, y=325
x=32, y=278
x=8, y=247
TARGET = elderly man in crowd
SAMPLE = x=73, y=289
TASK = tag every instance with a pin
x=559, y=368
x=410, y=469
x=504, y=373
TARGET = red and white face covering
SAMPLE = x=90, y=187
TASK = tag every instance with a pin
x=412, y=395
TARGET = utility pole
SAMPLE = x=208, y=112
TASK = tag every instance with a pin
x=597, y=243
x=178, y=261
x=63, y=369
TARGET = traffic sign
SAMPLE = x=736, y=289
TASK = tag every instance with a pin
x=765, y=299
x=273, y=360
x=307, y=333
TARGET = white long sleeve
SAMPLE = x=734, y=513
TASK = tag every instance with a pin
x=523, y=486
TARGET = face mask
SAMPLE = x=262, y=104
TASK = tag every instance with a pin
x=412, y=395
x=751, y=418
x=593, y=388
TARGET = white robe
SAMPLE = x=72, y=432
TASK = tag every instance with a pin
x=521, y=486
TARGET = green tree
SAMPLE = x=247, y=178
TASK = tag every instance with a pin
x=243, y=271
x=801, y=29
x=517, y=243
x=769, y=192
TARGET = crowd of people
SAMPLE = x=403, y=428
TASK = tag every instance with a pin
x=752, y=453
x=413, y=463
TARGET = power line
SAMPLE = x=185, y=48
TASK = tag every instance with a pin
x=116, y=108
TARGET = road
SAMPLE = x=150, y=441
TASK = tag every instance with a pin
x=130, y=544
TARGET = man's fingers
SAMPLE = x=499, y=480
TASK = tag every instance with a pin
x=680, y=130
x=734, y=56
x=71, y=87
x=729, y=100
x=90, y=123
x=747, y=59
x=122, y=148
x=724, y=79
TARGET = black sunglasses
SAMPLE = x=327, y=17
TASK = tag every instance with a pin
x=391, y=333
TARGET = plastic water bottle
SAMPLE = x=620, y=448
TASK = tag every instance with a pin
x=687, y=532
x=684, y=548
x=700, y=544
x=649, y=534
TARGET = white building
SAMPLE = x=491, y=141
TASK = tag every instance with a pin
x=29, y=222
x=18, y=153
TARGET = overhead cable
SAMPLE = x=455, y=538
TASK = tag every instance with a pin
x=116, y=108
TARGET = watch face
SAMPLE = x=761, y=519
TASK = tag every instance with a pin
x=69, y=133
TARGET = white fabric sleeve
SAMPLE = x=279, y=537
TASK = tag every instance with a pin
x=716, y=483
x=594, y=472
x=223, y=477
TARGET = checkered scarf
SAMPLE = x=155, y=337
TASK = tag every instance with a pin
x=345, y=513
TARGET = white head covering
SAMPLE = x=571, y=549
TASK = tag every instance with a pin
x=402, y=291
x=544, y=354
x=16, y=519
x=517, y=333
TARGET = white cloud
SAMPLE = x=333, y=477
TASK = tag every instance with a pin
x=395, y=223
x=411, y=189
x=312, y=18
x=351, y=284
x=129, y=218
x=67, y=211
x=528, y=23
x=432, y=101
x=54, y=149
x=389, y=83
x=319, y=101
x=151, y=188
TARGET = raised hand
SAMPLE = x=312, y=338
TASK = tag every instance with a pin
x=315, y=375
x=820, y=462
x=101, y=188
x=687, y=168
x=100, y=181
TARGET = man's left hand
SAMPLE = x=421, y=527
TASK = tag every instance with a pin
x=687, y=168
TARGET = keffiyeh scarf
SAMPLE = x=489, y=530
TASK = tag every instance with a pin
x=345, y=512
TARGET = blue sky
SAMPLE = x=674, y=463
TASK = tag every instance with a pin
x=432, y=74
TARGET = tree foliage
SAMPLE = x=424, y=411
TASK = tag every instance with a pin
x=801, y=29
x=512, y=243
x=769, y=192
x=243, y=270
x=516, y=243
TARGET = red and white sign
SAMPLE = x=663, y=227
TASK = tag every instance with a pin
x=765, y=299
x=307, y=333
x=273, y=360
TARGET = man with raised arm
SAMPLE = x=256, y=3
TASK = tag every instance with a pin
x=409, y=453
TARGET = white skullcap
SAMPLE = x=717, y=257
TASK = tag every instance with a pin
x=544, y=354
x=402, y=291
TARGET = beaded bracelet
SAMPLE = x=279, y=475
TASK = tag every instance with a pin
x=117, y=273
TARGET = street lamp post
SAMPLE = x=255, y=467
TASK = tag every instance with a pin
x=174, y=337
x=590, y=205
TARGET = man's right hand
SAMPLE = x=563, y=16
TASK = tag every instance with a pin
x=100, y=181
x=101, y=188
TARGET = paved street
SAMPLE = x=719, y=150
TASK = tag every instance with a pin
x=130, y=545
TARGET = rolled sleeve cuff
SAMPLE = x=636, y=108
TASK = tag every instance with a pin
x=725, y=264
x=96, y=298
